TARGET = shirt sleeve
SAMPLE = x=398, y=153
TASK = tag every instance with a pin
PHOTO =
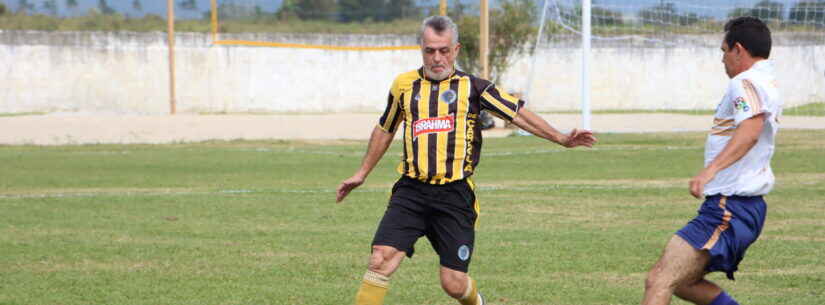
x=499, y=103
x=391, y=118
x=747, y=101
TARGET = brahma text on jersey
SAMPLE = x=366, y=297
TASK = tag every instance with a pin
x=433, y=125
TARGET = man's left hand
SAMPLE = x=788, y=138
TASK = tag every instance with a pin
x=579, y=138
x=697, y=184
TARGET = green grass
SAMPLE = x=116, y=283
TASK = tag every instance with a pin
x=20, y=114
x=810, y=109
x=255, y=222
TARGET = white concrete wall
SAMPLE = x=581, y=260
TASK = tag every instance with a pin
x=659, y=78
x=128, y=73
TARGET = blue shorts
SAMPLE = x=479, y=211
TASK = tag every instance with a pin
x=726, y=226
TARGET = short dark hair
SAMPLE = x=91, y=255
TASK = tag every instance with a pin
x=751, y=33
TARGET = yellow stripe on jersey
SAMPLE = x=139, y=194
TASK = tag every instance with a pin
x=388, y=125
x=422, y=141
x=441, y=140
x=408, y=143
x=402, y=85
x=496, y=103
x=463, y=104
x=444, y=149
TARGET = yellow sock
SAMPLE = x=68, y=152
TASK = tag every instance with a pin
x=471, y=294
x=373, y=289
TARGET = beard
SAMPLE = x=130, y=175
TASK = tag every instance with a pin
x=437, y=76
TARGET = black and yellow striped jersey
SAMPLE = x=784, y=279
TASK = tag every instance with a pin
x=442, y=140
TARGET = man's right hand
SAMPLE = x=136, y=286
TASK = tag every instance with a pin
x=348, y=185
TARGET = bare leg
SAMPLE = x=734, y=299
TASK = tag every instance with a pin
x=680, y=266
x=385, y=260
x=701, y=292
x=453, y=282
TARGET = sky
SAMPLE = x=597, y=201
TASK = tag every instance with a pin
x=158, y=7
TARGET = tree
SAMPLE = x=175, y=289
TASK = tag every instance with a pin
x=398, y=9
x=24, y=6
x=666, y=13
x=104, y=7
x=510, y=35
x=50, y=7
x=308, y=10
x=599, y=16
x=361, y=10
x=188, y=4
x=808, y=12
x=740, y=12
x=767, y=9
x=2, y=9
x=764, y=9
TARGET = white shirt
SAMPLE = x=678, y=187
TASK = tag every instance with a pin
x=750, y=93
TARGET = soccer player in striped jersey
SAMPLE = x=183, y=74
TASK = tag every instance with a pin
x=736, y=175
x=439, y=108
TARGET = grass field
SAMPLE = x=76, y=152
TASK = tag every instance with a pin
x=256, y=223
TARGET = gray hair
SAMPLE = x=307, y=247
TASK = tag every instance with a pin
x=439, y=24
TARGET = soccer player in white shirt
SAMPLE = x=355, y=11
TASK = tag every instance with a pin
x=736, y=175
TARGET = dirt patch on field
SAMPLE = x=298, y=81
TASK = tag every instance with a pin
x=60, y=129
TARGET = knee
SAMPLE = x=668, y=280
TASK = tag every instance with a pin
x=380, y=259
x=454, y=285
x=657, y=280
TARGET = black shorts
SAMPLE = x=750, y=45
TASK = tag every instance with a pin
x=446, y=214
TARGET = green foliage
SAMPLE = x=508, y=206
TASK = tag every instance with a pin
x=665, y=13
x=765, y=9
x=24, y=7
x=599, y=16
x=510, y=35
x=808, y=12
x=188, y=4
x=311, y=9
x=104, y=7
x=2, y=9
x=377, y=10
x=50, y=7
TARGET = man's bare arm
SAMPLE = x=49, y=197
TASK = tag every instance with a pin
x=743, y=139
x=536, y=125
x=380, y=140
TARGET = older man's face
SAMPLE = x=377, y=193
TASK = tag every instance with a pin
x=439, y=53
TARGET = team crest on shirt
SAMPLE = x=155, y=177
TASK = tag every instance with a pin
x=433, y=125
x=448, y=97
x=463, y=252
x=740, y=104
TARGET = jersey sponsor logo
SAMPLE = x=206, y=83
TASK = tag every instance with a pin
x=740, y=104
x=448, y=97
x=463, y=252
x=433, y=125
